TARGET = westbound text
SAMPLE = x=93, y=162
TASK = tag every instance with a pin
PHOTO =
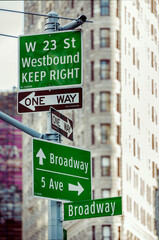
x=52, y=59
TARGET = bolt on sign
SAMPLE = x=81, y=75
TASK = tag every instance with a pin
x=50, y=59
x=61, y=172
x=93, y=208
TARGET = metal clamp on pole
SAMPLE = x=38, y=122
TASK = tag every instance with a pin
x=76, y=23
x=52, y=24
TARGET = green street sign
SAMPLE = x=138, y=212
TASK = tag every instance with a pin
x=50, y=59
x=61, y=172
x=93, y=208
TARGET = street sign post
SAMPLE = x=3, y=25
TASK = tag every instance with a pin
x=61, y=124
x=50, y=59
x=93, y=208
x=38, y=101
x=61, y=172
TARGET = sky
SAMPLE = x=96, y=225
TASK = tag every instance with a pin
x=10, y=24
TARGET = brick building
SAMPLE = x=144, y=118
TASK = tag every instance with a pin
x=10, y=171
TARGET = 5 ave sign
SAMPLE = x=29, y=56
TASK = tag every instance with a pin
x=61, y=124
x=50, y=59
x=70, y=98
x=61, y=172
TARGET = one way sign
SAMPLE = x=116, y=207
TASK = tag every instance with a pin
x=60, y=99
x=61, y=124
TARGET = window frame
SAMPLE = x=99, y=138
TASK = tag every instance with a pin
x=104, y=40
x=107, y=138
x=106, y=102
x=104, y=7
x=106, y=237
x=105, y=173
x=104, y=69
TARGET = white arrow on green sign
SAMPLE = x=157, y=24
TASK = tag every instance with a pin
x=61, y=172
x=93, y=208
x=50, y=59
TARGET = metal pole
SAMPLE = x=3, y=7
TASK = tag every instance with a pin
x=75, y=23
x=55, y=226
x=20, y=126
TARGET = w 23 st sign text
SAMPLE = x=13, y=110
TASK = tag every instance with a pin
x=48, y=60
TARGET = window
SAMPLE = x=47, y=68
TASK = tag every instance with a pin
x=72, y=3
x=118, y=134
x=92, y=71
x=133, y=56
x=105, y=162
x=104, y=37
x=92, y=8
x=135, y=180
x=138, y=151
x=148, y=194
x=153, y=169
x=155, y=90
x=153, y=115
x=118, y=167
x=133, y=86
x=106, y=232
x=92, y=102
x=117, y=70
x=134, y=148
x=117, y=8
x=104, y=7
x=152, y=59
x=105, y=133
x=142, y=214
x=93, y=233
x=125, y=15
x=104, y=69
x=119, y=238
x=133, y=30
x=118, y=102
x=133, y=116
x=92, y=39
x=117, y=39
x=93, y=167
x=92, y=134
x=142, y=187
x=136, y=210
x=105, y=101
x=105, y=193
x=152, y=6
x=153, y=142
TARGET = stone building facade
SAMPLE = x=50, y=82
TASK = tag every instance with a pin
x=119, y=118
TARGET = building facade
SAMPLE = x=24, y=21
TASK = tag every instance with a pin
x=10, y=171
x=119, y=118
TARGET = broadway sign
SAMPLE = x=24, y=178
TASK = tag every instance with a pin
x=93, y=208
x=60, y=99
